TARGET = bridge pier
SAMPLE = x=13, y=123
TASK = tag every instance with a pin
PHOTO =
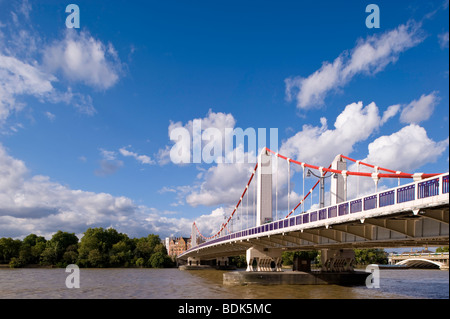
x=193, y=261
x=337, y=260
x=222, y=262
x=267, y=259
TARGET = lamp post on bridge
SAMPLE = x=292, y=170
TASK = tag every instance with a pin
x=322, y=186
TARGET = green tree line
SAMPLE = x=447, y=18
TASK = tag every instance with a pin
x=97, y=248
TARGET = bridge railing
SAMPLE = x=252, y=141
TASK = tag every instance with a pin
x=419, y=254
x=416, y=190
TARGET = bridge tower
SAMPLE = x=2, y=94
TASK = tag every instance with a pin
x=338, y=187
x=265, y=259
x=338, y=259
x=264, y=188
x=193, y=236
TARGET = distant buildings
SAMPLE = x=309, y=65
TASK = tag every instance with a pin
x=177, y=245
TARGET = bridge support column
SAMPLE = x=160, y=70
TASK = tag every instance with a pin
x=263, y=259
x=222, y=261
x=193, y=261
x=337, y=260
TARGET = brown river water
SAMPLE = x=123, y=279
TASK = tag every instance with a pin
x=126, y=283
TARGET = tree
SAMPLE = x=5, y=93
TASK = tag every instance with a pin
x=121, y=253
x=288, y=256
x=96, y=248
x=32, y=248
x=370, y=256
x=57, y=246
x=442, y=249
x=9, y=248
x=147, y=246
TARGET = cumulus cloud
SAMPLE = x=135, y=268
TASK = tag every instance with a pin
x=82, y=58
x=369, y=56
x=19, y=78
x=36, y=204
x=214, y=122
x=29, y=66
x=419, y=110
x=221, y=184
x=405, y=150
x=319, y=145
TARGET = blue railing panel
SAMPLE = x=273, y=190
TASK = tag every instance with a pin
x=323, y=214
x=343, y=209
x=370, y=202
x=406, y=194
x=305, y=218
x=428, y=188
x=313, y=216
x=292, y=221
x=332, y=211
x=445, y=184
x=356, y=206
x=387, y=198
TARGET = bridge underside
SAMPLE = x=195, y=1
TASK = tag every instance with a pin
x=422, y=263
x=427, y=226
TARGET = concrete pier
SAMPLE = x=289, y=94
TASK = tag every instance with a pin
x=354, y=278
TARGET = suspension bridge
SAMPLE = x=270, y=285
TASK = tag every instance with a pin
x=263, y=223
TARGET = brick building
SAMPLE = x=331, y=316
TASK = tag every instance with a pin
x=176, y=246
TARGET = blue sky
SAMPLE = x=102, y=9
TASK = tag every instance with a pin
x=85, y=113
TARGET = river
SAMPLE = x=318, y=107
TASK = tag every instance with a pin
x=125, y=283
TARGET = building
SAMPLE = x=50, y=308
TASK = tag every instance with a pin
x=176, y=246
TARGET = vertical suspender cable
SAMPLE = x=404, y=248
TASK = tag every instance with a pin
x=303, y=178
x=276, y=188
x=357, y=180
x=247, y=208
x=254, y=201
x=289, y=183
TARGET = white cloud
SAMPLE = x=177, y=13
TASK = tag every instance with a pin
x=405, y=150
x=143, y=159
x=80, y=57
x=389, y=113
x=50, y=116
x=30, y=67
x=109, y=164
x=443, y=40
x=419, y=110
x=35, y=204
x=369, y=56
x=222, y=184
x=19, y=78
x=219, y=121
x=319, y=145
